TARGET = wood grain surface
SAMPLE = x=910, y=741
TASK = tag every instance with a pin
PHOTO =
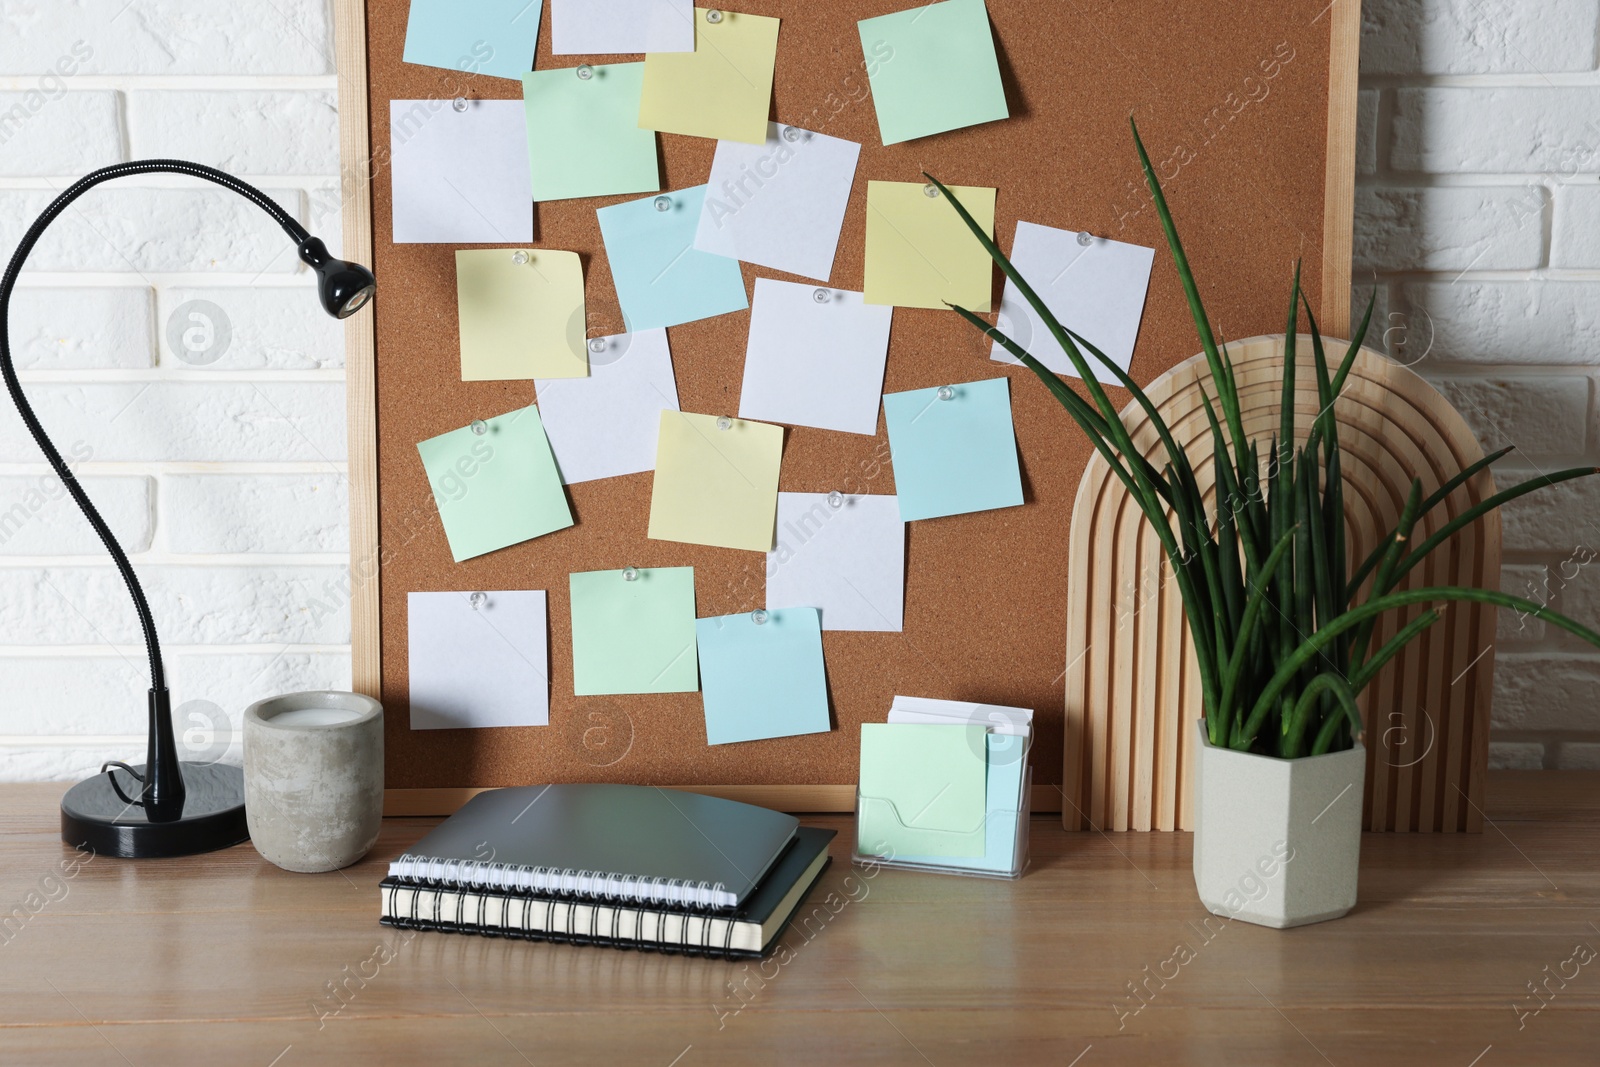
x=224, y=959
x=1234, y=103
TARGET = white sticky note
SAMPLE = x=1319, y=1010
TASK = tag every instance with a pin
x=1096, y=290
x=780, y=204
x=815, y=357
x=848, y=561
x=476, y=665
x=460, y=176
x=614, y=27
x=606, y=424
x=997, y=718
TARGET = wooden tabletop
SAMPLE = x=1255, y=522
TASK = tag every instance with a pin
x=224, y=959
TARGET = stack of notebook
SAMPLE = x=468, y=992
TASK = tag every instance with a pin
x=629, y=866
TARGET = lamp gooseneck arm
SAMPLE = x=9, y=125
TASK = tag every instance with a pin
x=163, y=791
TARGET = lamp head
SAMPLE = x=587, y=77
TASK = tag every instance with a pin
x=345, y=287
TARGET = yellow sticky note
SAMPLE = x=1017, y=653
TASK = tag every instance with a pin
x=723, y=88
x=919, y=252
x=521, y=314
x=714, y=485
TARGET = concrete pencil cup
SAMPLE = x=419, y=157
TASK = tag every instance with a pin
x=313, y=778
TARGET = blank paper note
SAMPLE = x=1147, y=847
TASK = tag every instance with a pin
x=722, y=89
x=815, y=357
x=762, y=679
x=606, y=425
x=496, y=488
x=583, y=133
x=610, y=27
x=919, y=252
x=633, y=634
x=779, y=204
x=661, y=279
x=716, y=481
x=953, y=456
x=932, y=68
x=520, y=314
x=931, y=782
x=1095, y=289
x=460, y=177
x=845, y=555
x=478, y=659
x=495, y=37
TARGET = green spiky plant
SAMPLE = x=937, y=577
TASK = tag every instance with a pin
x=1282, y=632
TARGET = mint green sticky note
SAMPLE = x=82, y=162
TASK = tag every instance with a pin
x=953, y=456
x=496, y=488
x=763, y=679
x=1006, y=804
x=633, y=635
x=583, y=133
x=923, y=789
x=932, y=68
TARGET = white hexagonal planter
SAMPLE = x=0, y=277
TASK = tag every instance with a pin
x=1277, y=842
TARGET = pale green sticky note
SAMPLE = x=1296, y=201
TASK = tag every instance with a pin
x=923, y=789
x=920, y=253
x=498, y=487
x=932, y=68
x=633, y=631
x=521, y=314
x=583, y=133
x=722, y=89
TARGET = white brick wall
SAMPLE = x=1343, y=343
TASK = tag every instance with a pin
x=1478, y=208
x=220, y=464
x=1478, y=211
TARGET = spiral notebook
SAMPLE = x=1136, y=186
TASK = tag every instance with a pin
x=606, y=842
x=748, y=931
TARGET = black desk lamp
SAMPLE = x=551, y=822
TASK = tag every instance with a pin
x=164, y=807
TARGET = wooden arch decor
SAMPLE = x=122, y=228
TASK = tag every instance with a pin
x=1132, y=684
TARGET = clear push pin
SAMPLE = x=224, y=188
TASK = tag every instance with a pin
x=663, y=203
x=713, y=16
x=519, y=258
x=820, y=296
x=792, y=134
x=478, y=600
x=585, y=72
x=946, y=392
x=836, y=500
x=931, y=191
x=597, y=344
x=1085, y=238
x=460, y=103
x=724, y=423
x=630, y=574
x=759, y=617
x=480, y=427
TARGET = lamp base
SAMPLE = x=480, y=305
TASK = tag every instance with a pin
x=96, y=818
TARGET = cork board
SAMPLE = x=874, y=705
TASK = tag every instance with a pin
x=1247, y=107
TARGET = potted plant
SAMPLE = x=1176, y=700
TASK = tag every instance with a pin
x=1282, y=628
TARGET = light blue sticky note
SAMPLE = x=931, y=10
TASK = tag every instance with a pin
x=661, y=278
x=932, y=68
x=762, y=679
x=955, y=455
x=1007, y=762
x=495, y=37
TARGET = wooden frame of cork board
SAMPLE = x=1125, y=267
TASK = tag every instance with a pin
x=1249, y=110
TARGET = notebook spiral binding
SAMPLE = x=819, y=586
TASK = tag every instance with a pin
x=563, y=882
x=430, y=916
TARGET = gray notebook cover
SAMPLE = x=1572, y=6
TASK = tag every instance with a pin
x=599, y=840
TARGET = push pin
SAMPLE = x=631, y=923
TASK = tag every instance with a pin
x=836, y=500
x=946, y=392
x=792, y=134
x=480, y=427
x=820, y=296
x=585, y=72
x=460, y=103
x=663, y=203
x=477, y=600
x=759, y=616
x=931, y=191
x=713, y=16
x=519, y=258
x=724, y=423
x=630, y=574
x=597, y=345
x=1085, y=238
